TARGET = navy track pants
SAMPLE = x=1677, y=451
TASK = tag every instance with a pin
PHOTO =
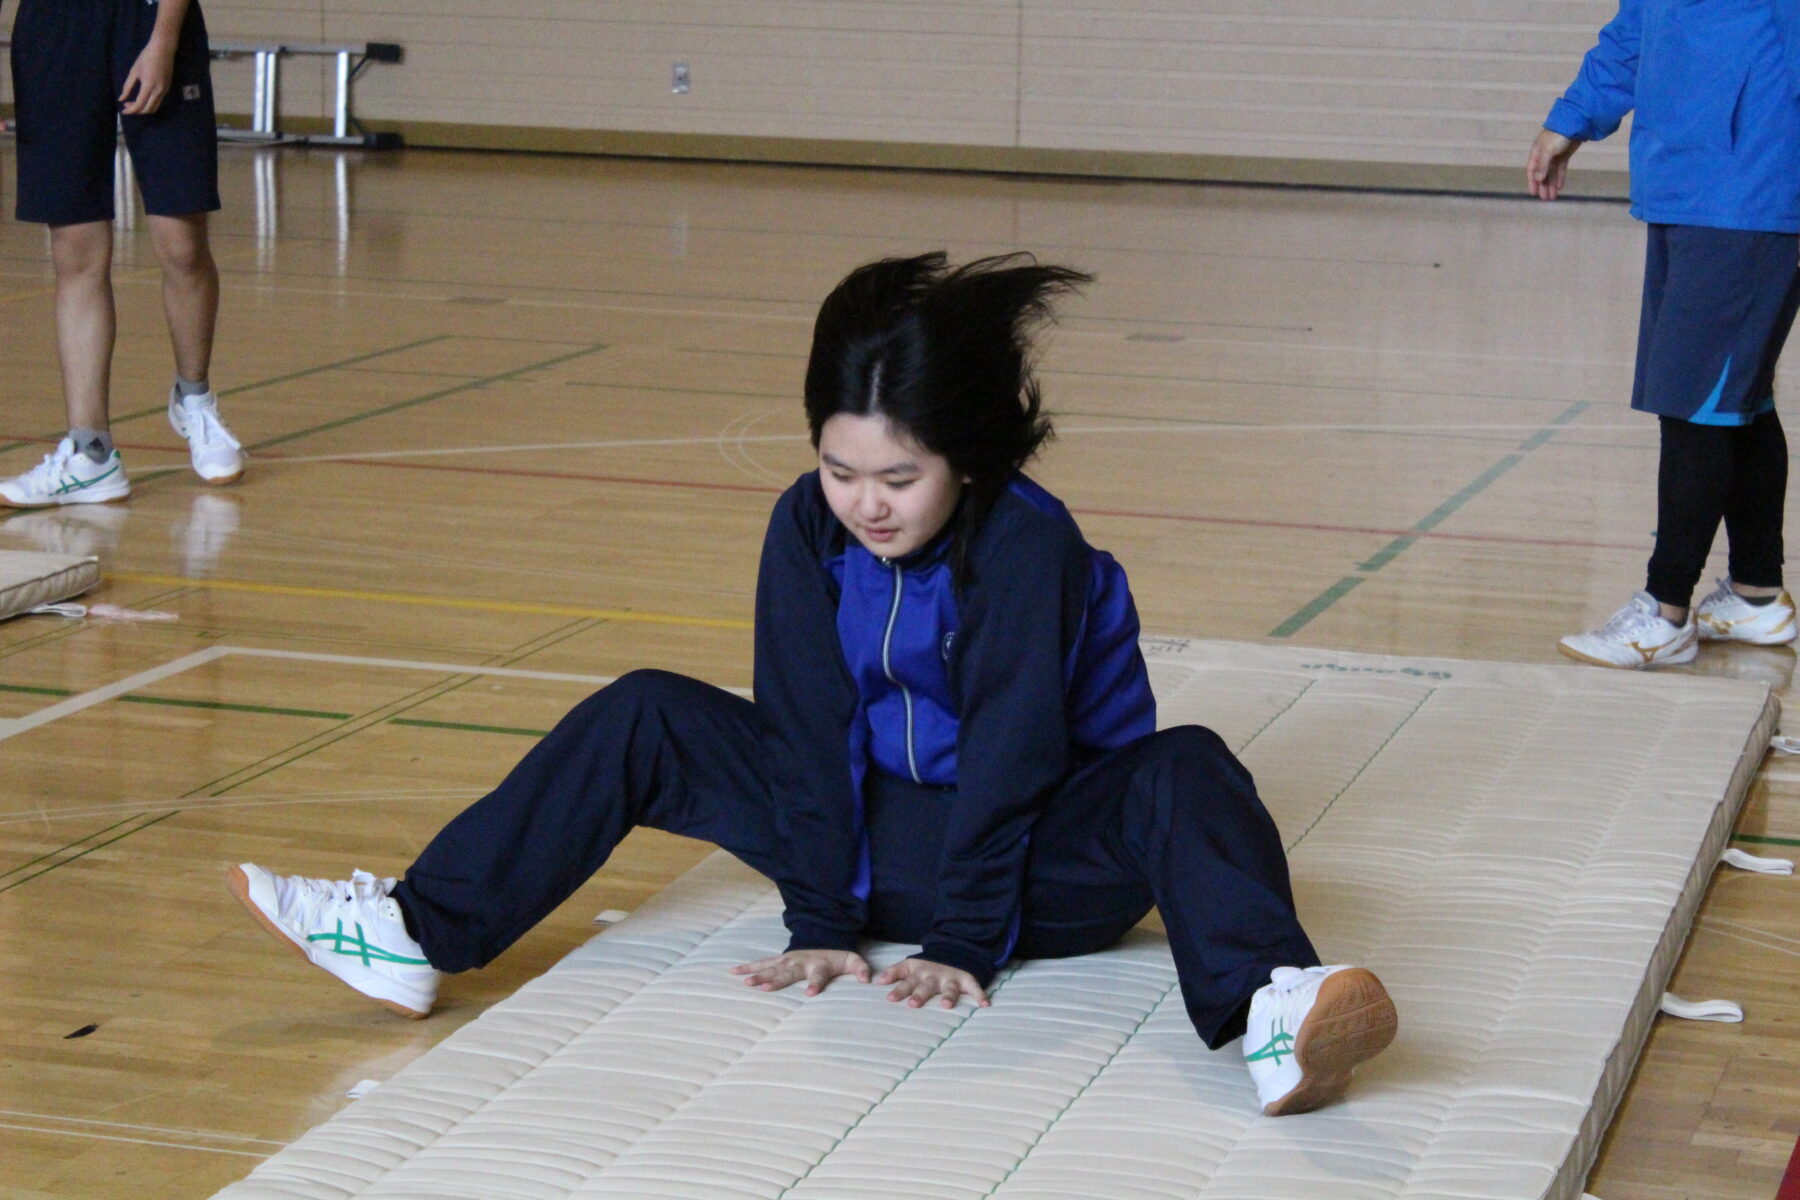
x=1171, y=820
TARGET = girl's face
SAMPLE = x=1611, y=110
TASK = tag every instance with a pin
x=891, y=493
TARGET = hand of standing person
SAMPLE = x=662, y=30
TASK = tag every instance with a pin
x=147, y=83
x=816, y=967
x=920, y=979
x=1547, y=166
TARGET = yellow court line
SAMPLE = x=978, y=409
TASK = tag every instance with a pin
x=506, y=606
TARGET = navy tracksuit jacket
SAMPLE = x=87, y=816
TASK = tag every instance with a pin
x=972, y=768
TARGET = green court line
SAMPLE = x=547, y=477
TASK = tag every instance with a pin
x=177, y=702
x=73, y=858
x=467, y=386
x=34, y=691
x=222, y=706
x=71, y=629
x=423, y=724
x=418, y=697
x=1388, y=553
x=1435, y=517
x=1764, y=841
x=263, y=383
x=70, y=846
x=1317, y=605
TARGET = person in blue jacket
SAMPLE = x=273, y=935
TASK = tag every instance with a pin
x=953, y=739
x=1715, y=173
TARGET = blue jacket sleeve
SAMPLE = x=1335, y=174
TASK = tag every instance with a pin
x=807, y=699
x=1787, y=27
x=1605, y=88
x=1019, y=618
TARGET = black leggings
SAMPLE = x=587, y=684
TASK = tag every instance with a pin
x=1709, y=472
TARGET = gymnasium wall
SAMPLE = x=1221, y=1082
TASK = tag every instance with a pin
x=1406, y=92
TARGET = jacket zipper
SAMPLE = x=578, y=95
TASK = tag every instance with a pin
x=887, y=638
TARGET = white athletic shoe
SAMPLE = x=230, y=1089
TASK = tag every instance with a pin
x=218, y=457
x=1635, y=637
x=67, y=476
x=351, y=927
x=1725, y=616
x=1309, y=1029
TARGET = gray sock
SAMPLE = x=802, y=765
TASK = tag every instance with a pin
x=186, y=388
x=95, y=443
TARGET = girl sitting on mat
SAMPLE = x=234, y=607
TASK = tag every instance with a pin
x=953, y=741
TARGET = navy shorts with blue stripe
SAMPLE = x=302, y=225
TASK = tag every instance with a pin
x=69, y=63
x=1718, y=304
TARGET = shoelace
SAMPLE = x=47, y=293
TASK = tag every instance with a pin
x=204, y=424
x=55, y=463
x=1288, y=979
x=312, y=895
x=1719, y=594
x=1631, y=621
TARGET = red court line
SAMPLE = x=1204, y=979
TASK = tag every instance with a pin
x=765, y=490
x=1790, y=1182
x=168, y=448
x=1193, y=518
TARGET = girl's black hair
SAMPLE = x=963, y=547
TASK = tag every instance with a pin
x=945, y=355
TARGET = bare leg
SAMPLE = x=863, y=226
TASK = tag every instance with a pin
x=85, y=320
x=190, y=290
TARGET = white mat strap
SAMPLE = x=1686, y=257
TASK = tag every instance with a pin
x=1782, y=744
x=1745, y=861
x=1701, y=1010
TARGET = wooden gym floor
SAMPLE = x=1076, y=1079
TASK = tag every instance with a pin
x=516, y=424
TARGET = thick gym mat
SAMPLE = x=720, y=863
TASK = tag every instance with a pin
x=1519, y=851
x=29, y=578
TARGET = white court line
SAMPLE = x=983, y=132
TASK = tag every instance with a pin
x=198, y=1133
x=1762, y=945
x=107, y=1137
x=1068, y=329
x=403, y=664
x=1752, y=929
x=208, y=803
x=1062, y=431
x=100, y=695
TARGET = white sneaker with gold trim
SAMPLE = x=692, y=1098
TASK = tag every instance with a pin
x=1635, y=637
x=1725, y=616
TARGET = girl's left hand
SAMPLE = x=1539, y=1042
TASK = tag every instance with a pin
x=920, y=980
x=149, y=79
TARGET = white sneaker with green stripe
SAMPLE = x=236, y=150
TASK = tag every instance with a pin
x=351, y=927
x=1308, y=1029
x=67, y=476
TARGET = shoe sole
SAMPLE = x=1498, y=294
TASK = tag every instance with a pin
x=240, y=887
x=1693, y=652
x=1779, y=637
x=9, y=502
x=1352, y=1020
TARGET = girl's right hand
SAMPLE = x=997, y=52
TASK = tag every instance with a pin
x=1547, y=164
x=816, y=967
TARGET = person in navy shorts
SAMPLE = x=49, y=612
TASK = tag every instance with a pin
x=1715, y=173
x=82, y=69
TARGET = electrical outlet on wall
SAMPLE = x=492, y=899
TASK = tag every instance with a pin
x=678, y=80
